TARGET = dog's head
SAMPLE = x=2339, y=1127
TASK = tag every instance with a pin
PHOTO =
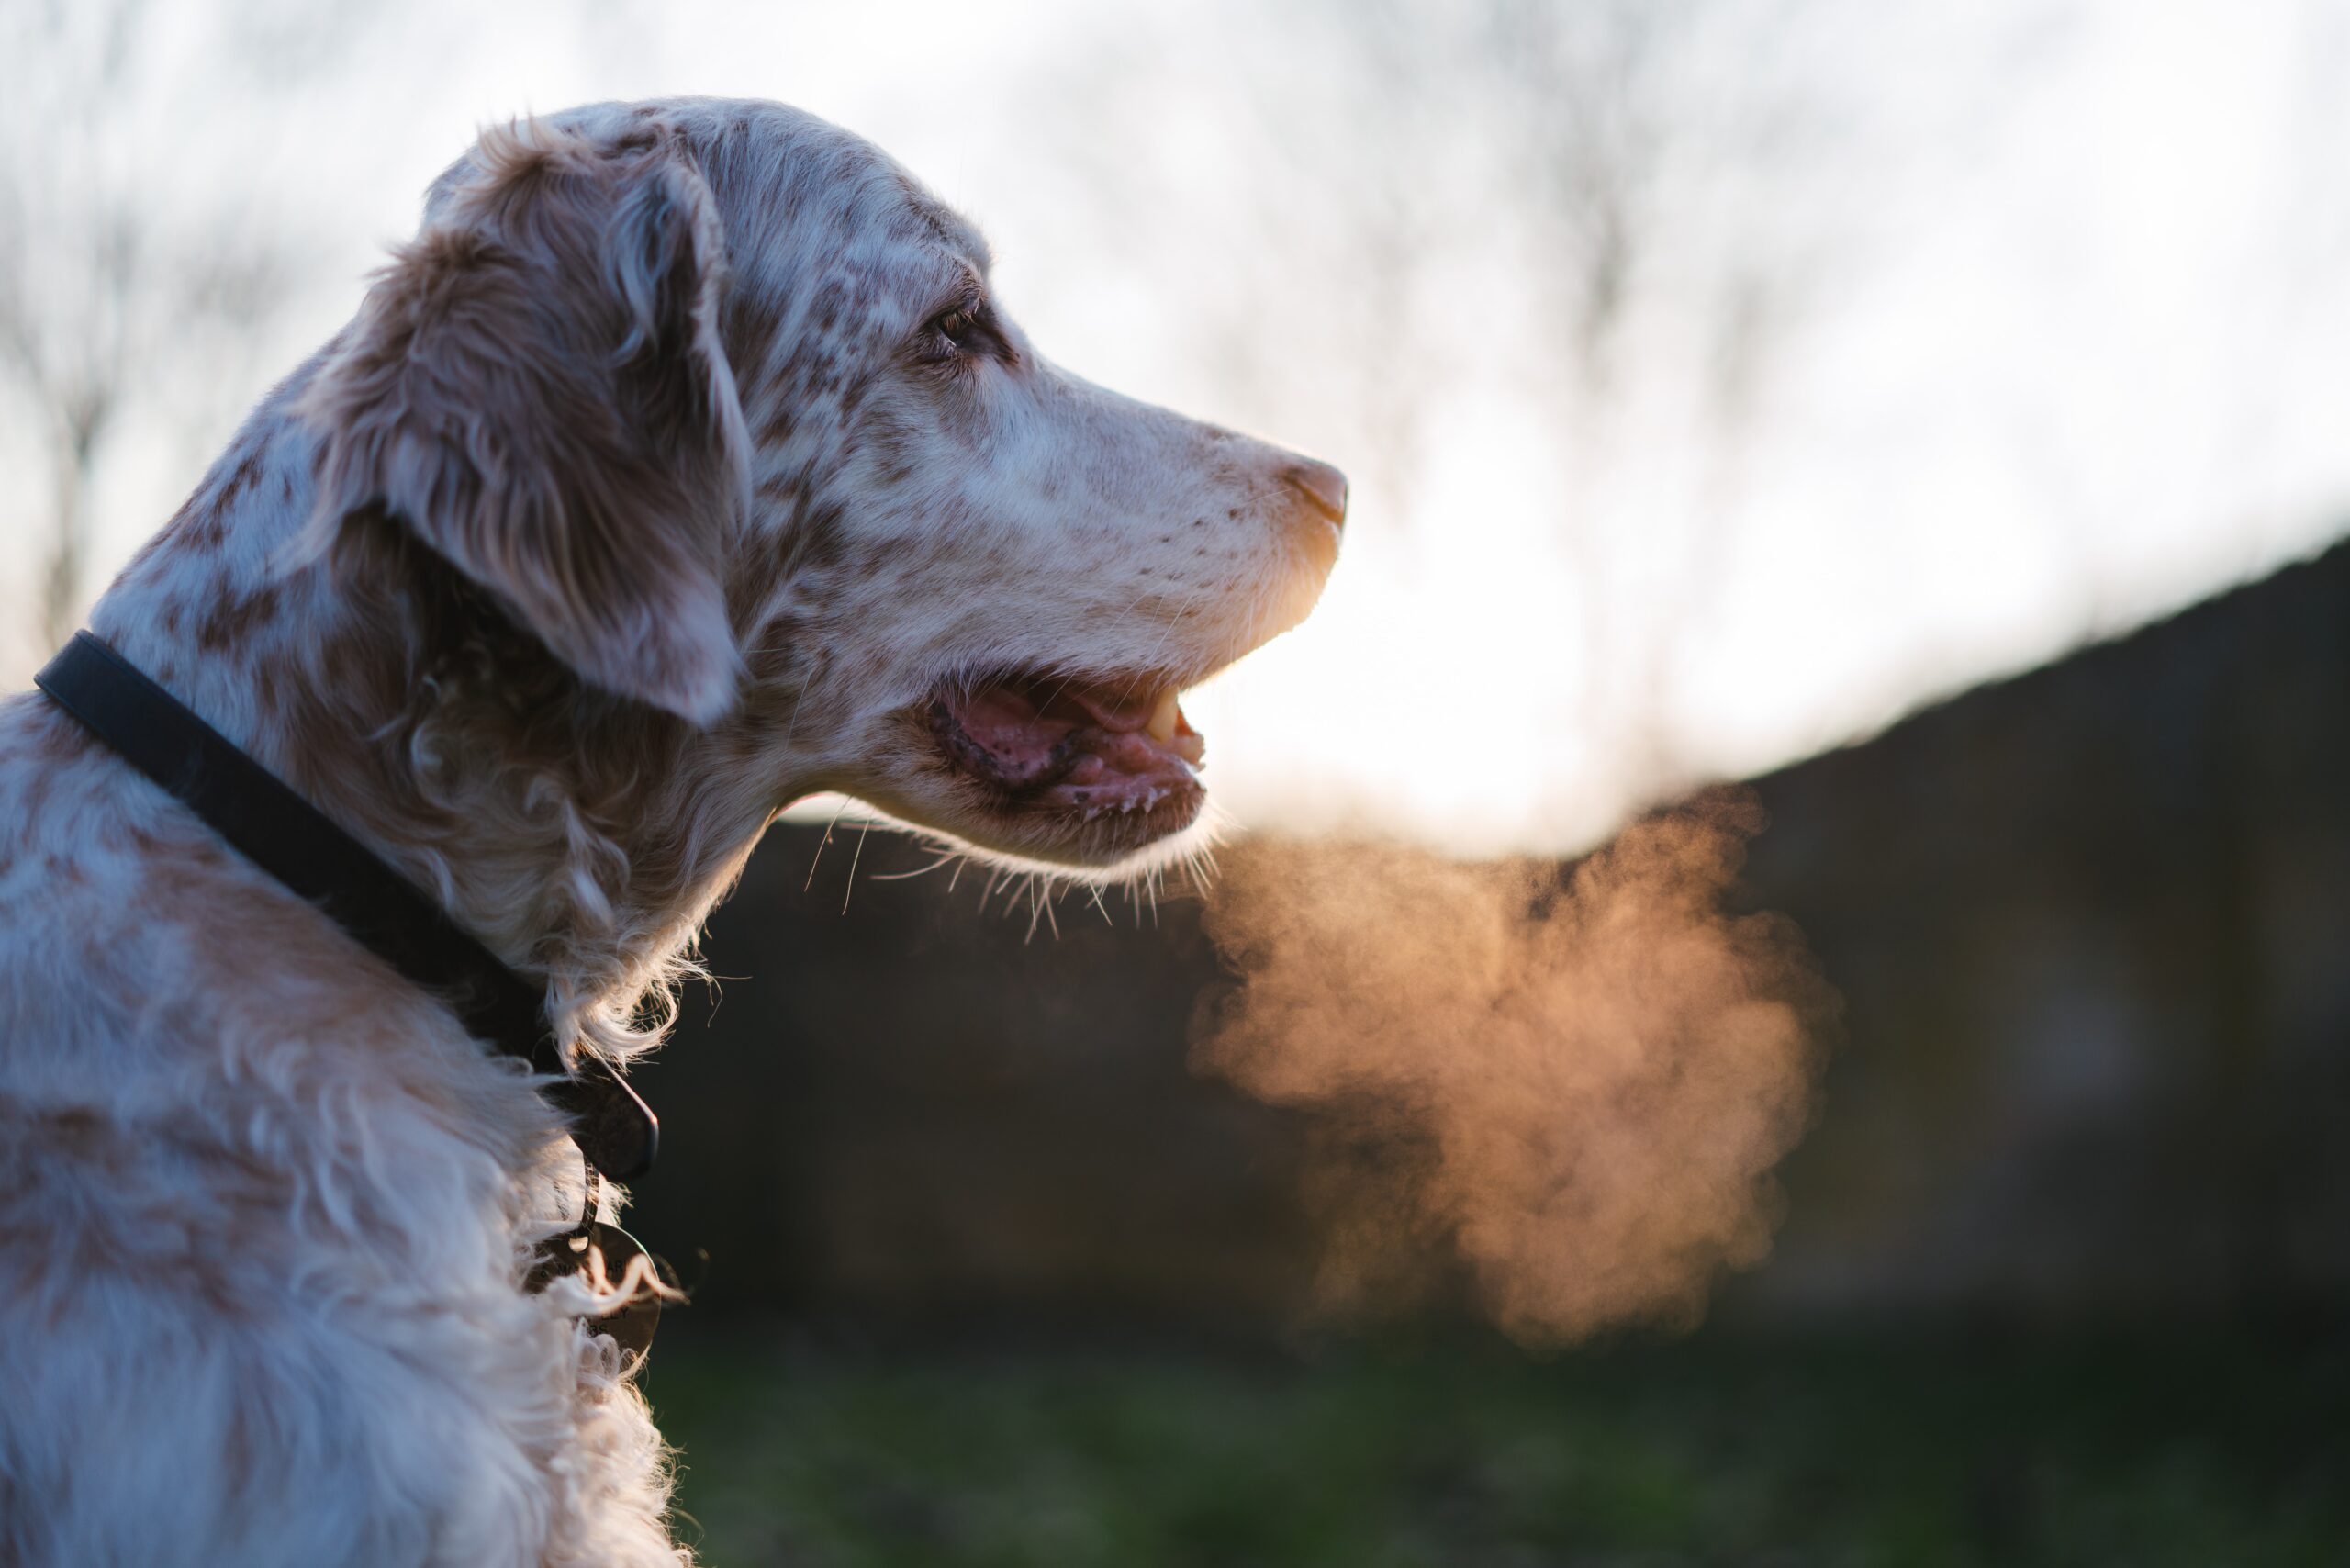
x=715, y=402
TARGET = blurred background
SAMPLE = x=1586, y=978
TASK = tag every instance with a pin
x=1776, y=988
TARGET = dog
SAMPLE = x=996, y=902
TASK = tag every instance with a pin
x=683, y=464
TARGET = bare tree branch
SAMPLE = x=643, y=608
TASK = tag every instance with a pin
x=117, y=283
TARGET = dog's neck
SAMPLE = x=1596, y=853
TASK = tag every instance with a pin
x=583, y=838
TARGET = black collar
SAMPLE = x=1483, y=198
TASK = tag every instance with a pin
x=290, y=839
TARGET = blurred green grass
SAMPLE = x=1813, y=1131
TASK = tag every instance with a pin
x=1719, y=1450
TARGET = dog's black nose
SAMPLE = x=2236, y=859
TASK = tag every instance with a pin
x=1322, y=484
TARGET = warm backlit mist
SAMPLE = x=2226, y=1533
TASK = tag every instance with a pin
x=1572, y=1085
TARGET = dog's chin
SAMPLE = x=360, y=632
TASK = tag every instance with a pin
x=1098, y=851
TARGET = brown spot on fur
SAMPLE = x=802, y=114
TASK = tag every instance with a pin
x=233, y=621
x=240, y=479
x=210, y=530
x=748, y=328
x=815, y=541
x=61, y=740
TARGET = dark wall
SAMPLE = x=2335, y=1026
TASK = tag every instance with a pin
x=2092, y=925
x=914, y=1103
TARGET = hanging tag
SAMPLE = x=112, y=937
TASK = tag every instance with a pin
x=612, y=1258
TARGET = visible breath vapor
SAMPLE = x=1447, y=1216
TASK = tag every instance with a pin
x=1576, y=1082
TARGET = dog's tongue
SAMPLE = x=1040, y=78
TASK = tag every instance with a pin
x=1097, y=745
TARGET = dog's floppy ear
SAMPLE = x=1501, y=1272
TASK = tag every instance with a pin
x=535, y=388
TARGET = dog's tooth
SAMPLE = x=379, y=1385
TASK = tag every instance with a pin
x=1163, y=717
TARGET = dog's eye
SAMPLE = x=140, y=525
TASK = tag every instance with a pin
x=966, y=332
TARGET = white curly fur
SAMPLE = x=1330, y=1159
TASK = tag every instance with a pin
x=633, y=504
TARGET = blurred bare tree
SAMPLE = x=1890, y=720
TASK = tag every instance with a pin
x=1684, y=195
x=130, y=288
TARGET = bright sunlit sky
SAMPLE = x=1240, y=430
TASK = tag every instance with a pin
x=1950, y=340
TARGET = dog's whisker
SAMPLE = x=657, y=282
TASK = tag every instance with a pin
x=818, y=858
x=854, y=856
x=944, y=857
x=1042, y=891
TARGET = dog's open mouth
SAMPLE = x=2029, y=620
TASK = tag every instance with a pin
x=1079, y=748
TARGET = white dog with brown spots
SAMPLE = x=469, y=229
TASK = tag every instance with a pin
x=682, y=466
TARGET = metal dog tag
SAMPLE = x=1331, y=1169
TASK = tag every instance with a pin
x=610, y=1256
